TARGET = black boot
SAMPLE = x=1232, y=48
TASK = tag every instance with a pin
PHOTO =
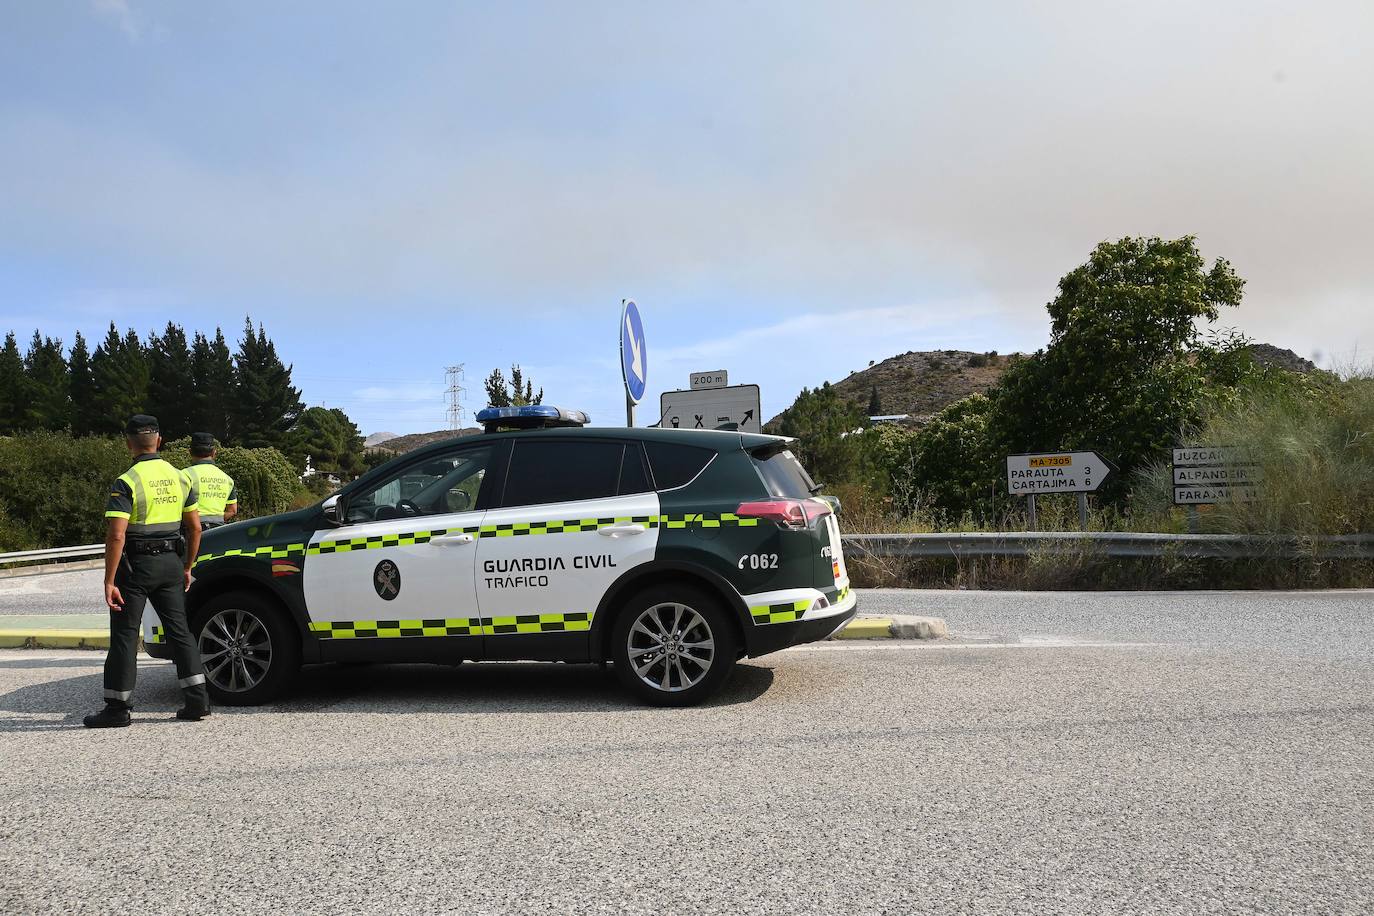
x=109, y=717
x=193, y=712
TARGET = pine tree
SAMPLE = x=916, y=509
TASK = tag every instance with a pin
x=171, y=392
x=45, y=368
x=80, y=388
x=519, y=393
x=875, y=403
x=266, y=404
x=212, y=384
x=119, y=371
x=14, y=384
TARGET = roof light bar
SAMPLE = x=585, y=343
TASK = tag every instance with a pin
x=531, y=416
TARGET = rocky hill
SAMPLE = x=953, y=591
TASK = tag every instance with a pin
x=921, y=383
x=411, y=441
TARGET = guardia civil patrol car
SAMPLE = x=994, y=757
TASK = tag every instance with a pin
x=668, y=553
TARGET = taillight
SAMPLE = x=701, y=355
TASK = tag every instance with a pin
x=787, y=513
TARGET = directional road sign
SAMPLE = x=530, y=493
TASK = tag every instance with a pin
x=712, y=408
x=1057, y=472
x=634, y=358
x=1205, y=475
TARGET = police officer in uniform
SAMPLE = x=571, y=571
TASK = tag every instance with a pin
x=146, y=559
x=219, y=499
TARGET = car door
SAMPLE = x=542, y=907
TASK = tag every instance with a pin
x=577, y=513
x=397, y=579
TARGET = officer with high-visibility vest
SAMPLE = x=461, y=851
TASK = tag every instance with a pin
x=219, y=499
x=147, y=559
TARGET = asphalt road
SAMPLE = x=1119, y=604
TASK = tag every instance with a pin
x=1070, y=753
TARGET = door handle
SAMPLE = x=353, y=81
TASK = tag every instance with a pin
x=449, y=540
x=616, y=531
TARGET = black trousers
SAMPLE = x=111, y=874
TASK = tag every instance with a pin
x=159, y=579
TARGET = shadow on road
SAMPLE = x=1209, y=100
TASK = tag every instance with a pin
x=504, y=687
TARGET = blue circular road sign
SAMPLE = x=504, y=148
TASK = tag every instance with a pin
x=634, y=357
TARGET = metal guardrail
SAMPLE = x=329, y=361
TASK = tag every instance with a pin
x=1107, y=543
x=999, y=544
x=24, y=557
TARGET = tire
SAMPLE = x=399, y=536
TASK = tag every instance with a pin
x=684, y=669
x=268, y=656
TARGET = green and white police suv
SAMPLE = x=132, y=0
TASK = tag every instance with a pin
x=669, y=553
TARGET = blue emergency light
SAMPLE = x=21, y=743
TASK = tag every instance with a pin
x=532, y=416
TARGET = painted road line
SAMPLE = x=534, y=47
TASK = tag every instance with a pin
x=928, y=646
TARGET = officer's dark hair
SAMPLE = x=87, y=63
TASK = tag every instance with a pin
x=202, y=451
x=145, y=441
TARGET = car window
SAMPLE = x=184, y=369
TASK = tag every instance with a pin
x=784, y=475
x=551, y=471
x=675, y=465
x=633, y=478
x=437, y=486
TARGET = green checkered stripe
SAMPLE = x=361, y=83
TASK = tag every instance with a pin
x=455, y=626
x=159, y=635
x=384, y=540
x=384, y=629
x=779, y=613
x=272, y=552
x=538, y=623
x=840, y=596
x=522, y=529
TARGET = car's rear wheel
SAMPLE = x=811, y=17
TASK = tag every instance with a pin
x=250, y=650
x=673, y=645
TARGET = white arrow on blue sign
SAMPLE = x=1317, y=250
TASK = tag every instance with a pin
x=634, y=357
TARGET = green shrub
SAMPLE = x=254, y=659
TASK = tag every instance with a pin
x=1314, y=443
x=266, y=480
x=55, y=486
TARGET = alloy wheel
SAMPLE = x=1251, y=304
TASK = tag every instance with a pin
x=671, y=647
x=236, y=649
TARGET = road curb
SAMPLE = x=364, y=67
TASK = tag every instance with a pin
x=50, y=568
x=898, y=626
x=38, y=638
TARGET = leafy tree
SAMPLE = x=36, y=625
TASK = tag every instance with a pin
x=119, y=372
x=824, y=424
x=14, y=385
x=212, y=385
x=170, y=387
x=519, y=393
x=329, y=439
x=1118, y=375
x=81, y=388
x=875, y=403
x=266, y=404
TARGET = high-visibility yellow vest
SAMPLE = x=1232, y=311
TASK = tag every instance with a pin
x=213, y=488
x=161, y=494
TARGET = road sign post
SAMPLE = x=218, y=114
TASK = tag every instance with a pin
x=1058, y=472
x=634, y=357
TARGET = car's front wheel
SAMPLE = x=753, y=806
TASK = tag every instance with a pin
x=673, y=645
x=250, y=649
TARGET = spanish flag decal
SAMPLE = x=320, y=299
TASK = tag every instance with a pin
x=285, y=568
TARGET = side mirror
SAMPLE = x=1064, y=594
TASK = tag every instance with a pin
x=332, y=513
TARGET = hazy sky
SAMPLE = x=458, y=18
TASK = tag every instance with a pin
x=789, y=189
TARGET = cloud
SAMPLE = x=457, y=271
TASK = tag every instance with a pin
x=118, y=12
x=824, y=162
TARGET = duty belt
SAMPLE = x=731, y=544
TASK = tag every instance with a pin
x=148, y=546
